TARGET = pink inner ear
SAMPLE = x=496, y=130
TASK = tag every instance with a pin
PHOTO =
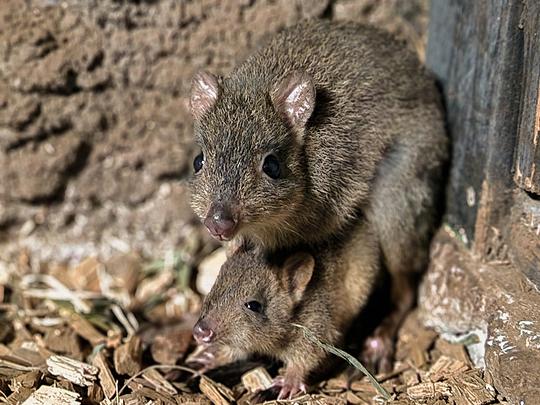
x=294, y=98
x=299, y=103
x=204, y=93
x=299, y=270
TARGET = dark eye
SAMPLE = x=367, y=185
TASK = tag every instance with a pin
x=254, y=306
x=271, y=166
x=198, y=162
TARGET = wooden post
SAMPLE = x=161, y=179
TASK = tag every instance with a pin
x=475, y=49
x=486, y=56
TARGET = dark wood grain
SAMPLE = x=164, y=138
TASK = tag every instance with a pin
x=476, y=51
x=527, y=156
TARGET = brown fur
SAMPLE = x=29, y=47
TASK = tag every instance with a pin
x=375, y=107
x=338, y=284
x=374, y=144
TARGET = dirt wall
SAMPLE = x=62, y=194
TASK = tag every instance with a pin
x=95, y=137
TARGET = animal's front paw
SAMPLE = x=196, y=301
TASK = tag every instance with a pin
x=203, y=359
x=378, y=351
x=289, y=387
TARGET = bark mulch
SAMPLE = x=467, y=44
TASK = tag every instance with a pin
x=119, y=332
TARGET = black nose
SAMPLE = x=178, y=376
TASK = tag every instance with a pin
x=220, y=222
x=202, y=332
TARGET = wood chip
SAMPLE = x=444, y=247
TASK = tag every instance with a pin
x=171, y=345
x=159, y=382
x=337, y=384
x=125, y=270
x=63, y=340
x=26, y=380
x=217, y=393
x=469, y=388
x=95, y=393
x=445, y=367
x=317, y=399
x=27, y=355
x=51, y=395
x=105, y=375
x=152, y=286
x=192, y=399
x=414, y=342
x=17, y=397
x=127, y=357
x=130, y=399
x=84, y=276
x=159, y=397
x=86, y=330
x=354, y=399
x=72, y=370
x=453, y=350
x=257, y=379
x=429, y=390
x=363, y=385
x=419, y=350
x=410, y=377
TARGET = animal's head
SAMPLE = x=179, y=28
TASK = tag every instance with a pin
x=249, y=173
x=252, y=303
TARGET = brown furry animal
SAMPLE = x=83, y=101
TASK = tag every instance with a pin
x=256, y=300
x=326, y=122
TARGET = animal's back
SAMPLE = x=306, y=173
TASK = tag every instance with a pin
x=367, y=84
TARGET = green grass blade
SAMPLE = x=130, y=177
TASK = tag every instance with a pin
x=345, y=356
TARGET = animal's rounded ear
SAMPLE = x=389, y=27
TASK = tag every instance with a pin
x=294, y=98
x=298, y=269
x=204, y=93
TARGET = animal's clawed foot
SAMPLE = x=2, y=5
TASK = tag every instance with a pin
x=203, y=358
x=290, y=387
x=378, y=351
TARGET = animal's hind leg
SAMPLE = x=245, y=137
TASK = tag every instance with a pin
x=405, y=210
x=378, y=351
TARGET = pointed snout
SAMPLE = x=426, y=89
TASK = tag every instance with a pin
x=221, y=222
x=203, y=332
